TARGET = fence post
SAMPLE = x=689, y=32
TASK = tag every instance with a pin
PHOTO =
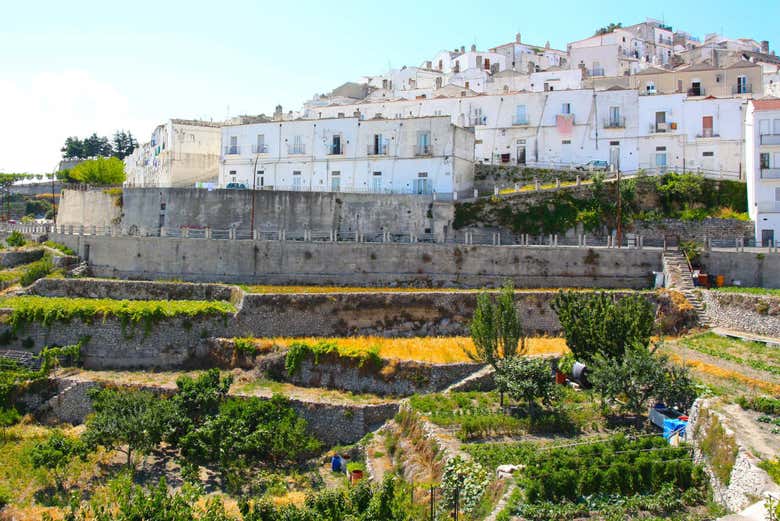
x=495, y=190
x=163, y=231
x=584, y=240
x=557, y=182
x=476, y=193
x=537, y=187
x=434, y=196
x=498, y=238
x=578, y=180
x=332, y=235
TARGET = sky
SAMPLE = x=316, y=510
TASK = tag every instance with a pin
x=77, y=67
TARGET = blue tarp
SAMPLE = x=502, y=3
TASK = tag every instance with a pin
x=671, y=426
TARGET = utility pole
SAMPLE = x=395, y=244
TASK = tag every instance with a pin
x=254, y=187
x=619, y=234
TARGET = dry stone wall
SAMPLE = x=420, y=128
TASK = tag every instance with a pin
x=12, y=258
x=756, y=314
x=133, y=290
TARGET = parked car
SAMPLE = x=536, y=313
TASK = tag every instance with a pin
x=236, y=186
x=595, y=164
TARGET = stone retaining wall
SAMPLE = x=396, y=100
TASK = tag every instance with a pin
x=711, y=228
x=747, y=482
x=756, y=314
x=13, y=258
x=331, y=423
x=133, y=290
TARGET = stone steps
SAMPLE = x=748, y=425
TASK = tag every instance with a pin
x=680, y=279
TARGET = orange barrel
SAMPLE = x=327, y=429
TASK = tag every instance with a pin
x=720, y=280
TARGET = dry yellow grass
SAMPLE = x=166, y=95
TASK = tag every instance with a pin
x=439, y=350
x=726, y=374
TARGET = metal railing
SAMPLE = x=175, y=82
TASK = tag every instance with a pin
x=519, y=121
x=423, y=150
x=770, y=173
x=377, y=150
x=296, y=148
x=619, y=122
x=659, y=128
x=707, y=132
x=232, y=150
x=335, y=150
x=696, y=91
x=770, y=139
x=259, y=149
x=745, y=88
x=596, y=71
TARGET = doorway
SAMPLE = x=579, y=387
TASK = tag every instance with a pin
x=767, y=237
x=614, y=157
x=521, y=155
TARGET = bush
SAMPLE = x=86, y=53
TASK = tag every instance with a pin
x=762, y=404
x=298, y=351
x=59, y=247
x=16, y=240
x=99, y=171
x=36, y=270
x=527, y=380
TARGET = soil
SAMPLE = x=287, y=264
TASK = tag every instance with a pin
x=754, y=434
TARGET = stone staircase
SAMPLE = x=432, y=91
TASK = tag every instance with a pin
x=678, y=277
x=23, y=358
x=82, y=270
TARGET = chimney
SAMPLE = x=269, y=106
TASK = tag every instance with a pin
x=517, y=38
x=462, y=49
x=473, y=48
x=765, y=46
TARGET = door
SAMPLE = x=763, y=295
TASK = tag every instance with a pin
x=521, y=155
x=376, y=182
x=296, y=181
x=742, y=84
x=696, y=88
x=660, y=121
x=614, y=158
x=767, y=237
x=706, y=126
x=335, y=184
x=422, y=186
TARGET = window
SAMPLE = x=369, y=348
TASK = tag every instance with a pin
x=742, y=85
x=335, y=145
x=296, y=179
x=521, y=117
x=614, y=117
x=776, y=127
x=377, y=146
x=566, y=108
x=232, y=176
x=764, y=160
x=708, y=154
x=423, y=143
x=467, y=85
x=233, y=148
x=650, y=87
x=335, y=181
x=260, y=144
x=566, y=142
x=376, y=182
x=260, y=179
x=763, y=127
x=706, y=126
x=422, y=185
x=660, y=160
x=297, y=146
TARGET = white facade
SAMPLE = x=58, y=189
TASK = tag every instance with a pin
x=180, y=153
x=346, y=154
x=762, y=163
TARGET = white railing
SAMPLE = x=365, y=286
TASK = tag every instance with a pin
x=770, y=173
x=259, y=149
x=770, y=139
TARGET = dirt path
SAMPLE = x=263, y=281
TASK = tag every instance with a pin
x=756, y=435
x=378, y=462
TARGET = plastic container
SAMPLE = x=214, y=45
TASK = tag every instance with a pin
x=355, y=476
x=720, y=280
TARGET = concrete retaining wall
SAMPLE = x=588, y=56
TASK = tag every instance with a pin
x=88, y=208
x=290, y=262
x=133, y=290
x=761, y=270
x=13, y=258
x=744, y=312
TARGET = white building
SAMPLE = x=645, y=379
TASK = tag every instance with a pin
x=419, y=155
x=181, y=153
x=762, y=163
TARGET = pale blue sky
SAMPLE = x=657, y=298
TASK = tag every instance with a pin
x=74, y=67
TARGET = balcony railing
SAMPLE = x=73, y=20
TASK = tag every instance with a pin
x=707, y=132
x=296, y=148
x=596, y=71
x=770, y=173
x=519, y=121
x=232, y=150
x=335, y=150
x=476, y=121
x=618, y=122
x=259, y=149
x=422, y=150
x=376, y=150
x=743, y=88
x=770, y=139
x=658, y=128
x=696, y=91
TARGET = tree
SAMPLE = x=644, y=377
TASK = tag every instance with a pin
x=56, y=453
x=96, y=146
x=73, y=148
x=595, y=323
x=198, y=400
x=8, y=417
x=527, y=380
x=127, y=421
x=100, y=171
x=639, y=377
x=496, y=328
x=123, y=144
x=463, y=484
x=608, y=29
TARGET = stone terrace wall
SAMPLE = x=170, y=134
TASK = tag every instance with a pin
x=752, y=269
x=291, y=262
x=716, y=229
x=133, y=290
x=12, y=258
x=168, y=344
x=744, y=312
x=393, y=377
x=331, y=423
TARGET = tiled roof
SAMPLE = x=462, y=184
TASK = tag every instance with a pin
x=767, y=104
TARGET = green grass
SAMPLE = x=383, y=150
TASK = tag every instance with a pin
x=59, y=247
x=756, y=355
x=751, y=291
x=48, y=310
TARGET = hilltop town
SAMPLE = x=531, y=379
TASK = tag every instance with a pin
x=520, y=283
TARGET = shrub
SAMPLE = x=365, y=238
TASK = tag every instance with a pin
x=298, y=351
x=719, y=448
x=100, y=171
x=464, y=480
x=527, y=380
x=59, y=247
x=36, y=270
x=762, y=404
x=56, y=453
x=16, y=240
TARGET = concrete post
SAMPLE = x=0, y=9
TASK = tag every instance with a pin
x=537, y=187
x=556, y=239
x=332, y=235
x=498, y=238
x=81, y=229
x=584, y=240
x=557, y=182
x=255, y=235
x=281, y=235
x=609, y=240
x=434, y=196
x=495, y=190
x=93, y=231
x=284, y=235
x=579, y=181
x=641, y=242
x=476, y=193
x=736, y=244
x=207, y=232
x=357, y=236
x=517, y=187
x=163, y=231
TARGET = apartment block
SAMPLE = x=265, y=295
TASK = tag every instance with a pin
x=762, y=163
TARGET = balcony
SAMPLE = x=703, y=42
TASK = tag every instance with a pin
x=259, y=149
x=296, y=149
x=476, y=121
x=232, y=150
x=423, y=150
x=376, y=150
x=744, y=88
x=615, y=123
x=770, y=139
x=707, y=133
x=658, y=128
x=596, y=71
x=519, y=121
x=696, y=91
x=335, y=150
x=770, y=173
